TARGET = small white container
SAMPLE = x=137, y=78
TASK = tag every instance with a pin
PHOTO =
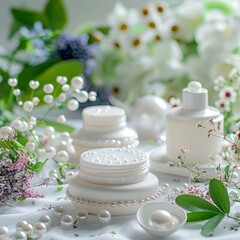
x=182, y=131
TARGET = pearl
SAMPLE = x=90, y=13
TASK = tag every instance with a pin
x=233, y=194
x=20, y=224
x=40, y=229
x=20, y=236
x=161, y=219
x=48, y=88
x=61, y=119
x=62, y=157
x=28, y=106
x=4, y=233
x=62, y=97
x=75, y=92
x=31, y=146
x=50, y=152
x=34, y=84
x=77, y=82
x=12, y=82
x=237, y=215
x=66, y=222
x=5, y=132
x=28, y=229
x=184, y=186
x=52, y=173
x=194, y=87
x=64, y=136
x=49, y=131
x=24, y=127
x=104, y=217
x=61, y=79
x=82, y=215
x=45, y=220
x=234, y=177
x=92, y=96
x=48, y=99
x=35, y=101
x=65, y=87
x=16, y=92
x=175, y=191
x=59, y=211
x=82, y=96
x=41, y=152
x=72, y=105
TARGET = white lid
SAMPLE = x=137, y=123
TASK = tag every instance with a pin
x=195, y=97
x=103, y=116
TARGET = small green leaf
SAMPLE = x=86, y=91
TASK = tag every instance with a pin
x=21, y=198
x=219, y=195
x=59, y=182
x=200, y=216
x=59, y=188
x=211, y=225
x=227, y=171
x=195, y=204
x=56, y=14
x=37, y=167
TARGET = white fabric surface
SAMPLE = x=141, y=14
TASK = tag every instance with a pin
x=119, y=228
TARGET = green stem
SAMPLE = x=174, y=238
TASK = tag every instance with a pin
x=237, y=219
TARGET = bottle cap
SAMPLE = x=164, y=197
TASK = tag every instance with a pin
x=195, y=97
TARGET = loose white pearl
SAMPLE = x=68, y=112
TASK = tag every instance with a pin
x=66, y=222
x=20, y=224
x=77, y=82
x=75, y=92
x=65, y=87
x=28, y=229
x=62, y=157
x=42, y=152
x=20, y=103
x=175, y=191
x=31, y=146
x=233, y=194
x=12, y=82
x=82, y=96
x=61, y=79
x=165, y=187
x=49, y=131
x=35, y=101
x=235, y=177
x=28, y=106
x=34, y=84
x=40, y=229
x=24, y=127
x=62, y=97
x=72, y=105
x=161, y=219
x=5, y=132
x=45, y=220
x=92, y=96
x=82, y=215
x=104, y=216
x=61, y=119
x=20, y=236
x=48, y=88
x=4, y=233
x=48, y=98
x=59, y=211
x=50, y=152
x=64, y=136
x=184, y=186
x=16, y=92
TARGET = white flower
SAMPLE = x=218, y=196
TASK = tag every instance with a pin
x=219, y=83
x=223, y=106
x=228, y=94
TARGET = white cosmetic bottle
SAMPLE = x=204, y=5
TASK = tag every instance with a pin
x=182, y=131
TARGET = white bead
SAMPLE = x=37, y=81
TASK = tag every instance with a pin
x=72, y=105
x=234, y=177
x=50, y=152
x=165, y=187
x=184, y=186
x=49, y=131
x=16, y=124
x=40, y=229
x=48, y=88
x=28, y=106
x=5, y=132
x=4, y=233
x=42, y=152
x=175, y=191
x=104, y=216
x=82, y=215
x=20, y=224
x=65, y=87
x=66, y=222
x=61, y=119
x=20, y=236
x=31, y=146
x=16, y=92
x=34, y=84
x=46, y=220
x=233, y=194
x=20, y=103
x=48, y=98
x=82, y=96
x=35, y=101
x=62, y=97
x=62, y=157
x=24, y=127
x=12, y=82
x=61, y=79
x=161, y=219
x=59, y=211
x=92, y=96
x=28, y=229
x=77, y=82
x=65, y=136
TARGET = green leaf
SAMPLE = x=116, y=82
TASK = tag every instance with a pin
x=59, y=182
x=15, y=26
x=56, y=14
x=200, y=216
x=211, y=225
x=37, y=167
x=223, y=5
x=195, y=204
x=21, y=198
x=227, y=172
x=219, y=195
x=59, y=188
x=29, y=17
